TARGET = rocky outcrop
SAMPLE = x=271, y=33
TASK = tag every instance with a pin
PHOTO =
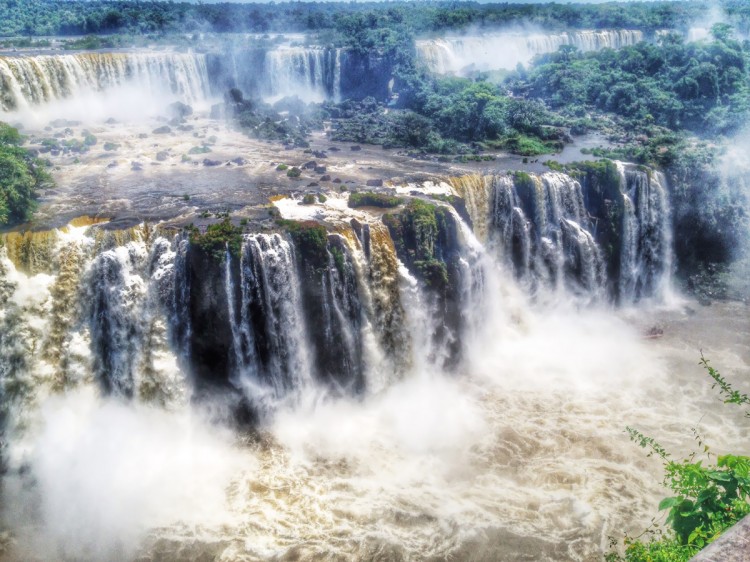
x=426, y=240
x=732, y=546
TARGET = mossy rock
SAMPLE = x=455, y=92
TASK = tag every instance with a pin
x=371, y=199
x=310, y=239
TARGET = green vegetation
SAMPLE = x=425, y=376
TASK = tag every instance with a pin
x=370, y=21
x=218, y=238
x=709, y=497
x=294, y=172
x=311, y=240
x=448, y=115
x=371, y=199
x=415, y=231
x=90, y=43
x=699, y=86
x=339, y=260
x=529, y=146
x=21, y=178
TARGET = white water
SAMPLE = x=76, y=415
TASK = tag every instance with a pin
x=99, y=85
x=312, y=74
x=505, y=50
x=520, y=454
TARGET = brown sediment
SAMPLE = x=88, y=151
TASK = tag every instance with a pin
x=86, y=220
x=475, y=190
x=31, y=252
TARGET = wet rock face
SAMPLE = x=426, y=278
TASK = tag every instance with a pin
x=426, y=240
x=210, y=334
x=604, y=203
x=365, y=75
x=238, y=312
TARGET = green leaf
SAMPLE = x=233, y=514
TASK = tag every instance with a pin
x=720, y=476
x=666, y=503
x=705, y=495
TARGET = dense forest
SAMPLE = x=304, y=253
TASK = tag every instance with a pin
x=61, y=17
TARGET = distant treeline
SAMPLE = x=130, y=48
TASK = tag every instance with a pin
x=65, y=17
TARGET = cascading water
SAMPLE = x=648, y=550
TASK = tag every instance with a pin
x=558, y=237
x=646, y=260
x=313, y=74
x=540, y=227
x=506, y=50
x=28, y=81
x=403, y=405
x=273, y=350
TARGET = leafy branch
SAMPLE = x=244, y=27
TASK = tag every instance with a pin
x=730, y=395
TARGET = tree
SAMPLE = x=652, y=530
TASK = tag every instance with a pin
x=20, y=178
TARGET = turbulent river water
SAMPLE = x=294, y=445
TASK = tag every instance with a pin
x=450, y=379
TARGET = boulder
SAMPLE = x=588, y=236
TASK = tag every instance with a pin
x=356, y=148
x=209, y=163
x=162, y=155
x=320, y=169
x=374, y=183
x=325, y=178
x=179, y=110
x=163, y=130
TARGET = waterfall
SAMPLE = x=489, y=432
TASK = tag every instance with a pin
x=29, y=81
x=505, y=50
x=312, y=73
x=557, y=236
x=273, y=354
x=646, y=259
x=150, y=316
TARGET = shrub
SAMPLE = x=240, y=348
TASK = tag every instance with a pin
x=708, y=498
x=21, y=178
x=371, y=199
x=219, y=238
